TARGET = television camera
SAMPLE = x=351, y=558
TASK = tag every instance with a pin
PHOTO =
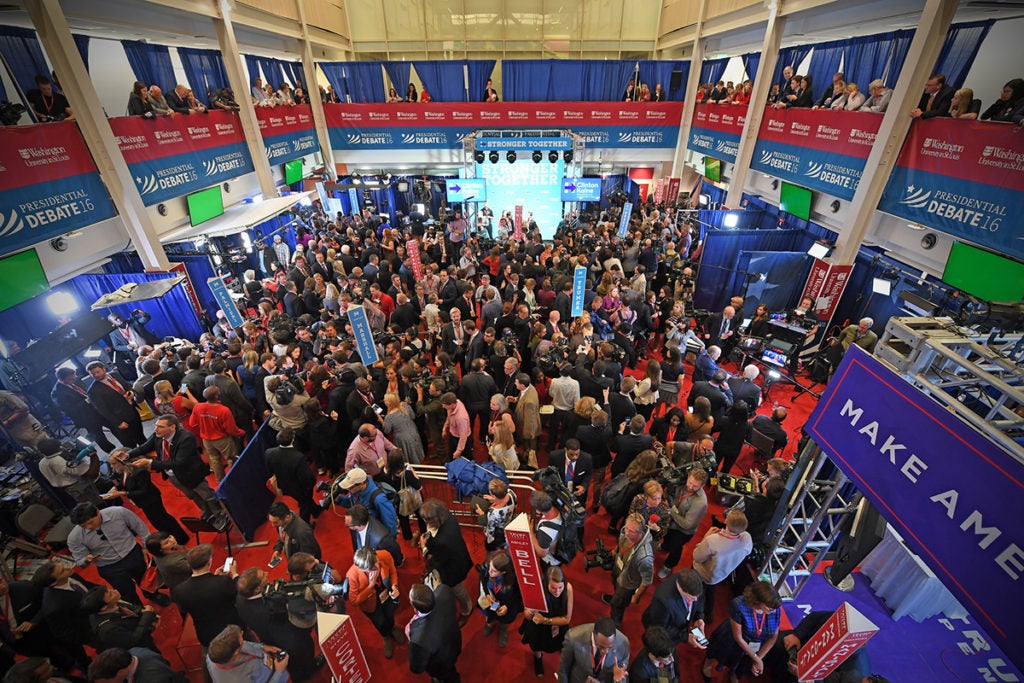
x=599, y=557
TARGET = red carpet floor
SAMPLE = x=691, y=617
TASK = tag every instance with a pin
x=514, y=662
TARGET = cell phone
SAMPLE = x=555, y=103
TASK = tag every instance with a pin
x=227, y=564
x=699, y=635
x=274, y=562
x=281, y=654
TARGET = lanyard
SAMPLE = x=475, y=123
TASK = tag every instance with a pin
x=598, y=661
x=759, y=624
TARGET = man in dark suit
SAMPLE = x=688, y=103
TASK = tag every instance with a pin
x=717, y=391
x=209, y=598
x=23, y=600
x=678, y=607
x=454, y=338
x=631, y=444
x=72, y=397
x=299, y=272
x=116, y=664
x=294, y=535
x=366, y=529
x=272, y=625
x=435, y=640
x=178, y=102
x=405, y=314
x=621, y=404
x=575, y=466
x=563, y=302
x=112, y=397
x=292, y=302
x=720, y=330
x=447, y=291
x=61, y=609
x=744, y=389
x=772, y=428
x=175, y=451
x=936, y=99
x=475, y=392
x=579, y=658
x=294, y=476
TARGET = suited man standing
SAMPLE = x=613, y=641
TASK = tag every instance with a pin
x=476, y=391
x=367, y=530
x=594, y=652
x=114, y=400
x=294, y=476
x=61, y=611
x=177, y=456
x=435, y=640
x=72, y=397
x=936, y=99
x=527, y=415
x=719, y=330
x=209, y=598
x=294, y=535
x=716, y=391
x=575, y=467
x=630, y=444
x=744, y=389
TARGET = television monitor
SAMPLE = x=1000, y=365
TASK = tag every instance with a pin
x=713, y=169
x=21, y=278
x=795, y=200
x=205, y=204
x=771, y=356
x=293, y=171
x=581, y=189
x=980, y=273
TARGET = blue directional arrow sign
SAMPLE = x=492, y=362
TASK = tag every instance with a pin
x=581, y=189
x=467, y=190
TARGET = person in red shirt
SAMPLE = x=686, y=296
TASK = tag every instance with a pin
x=216, y=425
x=382, y=299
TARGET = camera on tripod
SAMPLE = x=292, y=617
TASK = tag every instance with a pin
x=599, y=557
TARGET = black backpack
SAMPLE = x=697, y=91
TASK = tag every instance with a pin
x=388, y=491
x=574, y=515
x=613, y=496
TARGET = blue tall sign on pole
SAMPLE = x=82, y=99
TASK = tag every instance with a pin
x=627, y=209
x=353, y=198
x=364, y=335
x=224, y=300
x=579, y=286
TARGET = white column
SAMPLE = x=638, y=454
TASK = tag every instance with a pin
x=55, y=35
x=313, y=92
x=690, y=95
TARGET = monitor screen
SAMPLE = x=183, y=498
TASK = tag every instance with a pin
x=712, y=169
x=795, y=200
x=774, y=357
x=293, y=171
x=21, y=278
x=980, y=273
x=466, y=190
x=205, y=204
x=581, y=189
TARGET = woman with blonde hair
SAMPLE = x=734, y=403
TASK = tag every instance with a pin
x=964, y=106
x=400, y=426
x=581, y=414
x=503, y=448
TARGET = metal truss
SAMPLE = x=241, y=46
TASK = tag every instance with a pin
x=817, y=506
x=978, y=377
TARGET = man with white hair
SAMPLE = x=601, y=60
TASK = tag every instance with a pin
x=744, y=389
x=859, y=334
x=878, y=102
x=706, y=364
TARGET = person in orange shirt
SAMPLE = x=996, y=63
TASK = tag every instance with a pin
x=216, y=426
x=373, y=588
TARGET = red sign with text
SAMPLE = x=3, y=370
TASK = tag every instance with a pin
x=517, y=232
x=825, y=285
x=673, y=190
x=142, y=139
x=529, y=568
x=841, y=636
x=413, y=249
x=838, y=132
x=721, y=117
x=341, y=648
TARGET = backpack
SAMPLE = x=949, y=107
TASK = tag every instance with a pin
x=567, y=543
x=284, y=393
x=388, y=491
x=613, y=497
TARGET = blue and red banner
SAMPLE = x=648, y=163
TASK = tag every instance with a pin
x=288, y=132
x=172, y=156
x=964, y=178
x=821, y=149
x=49, y=184
x=955, y=496
x=716, y=130
x=444, y=126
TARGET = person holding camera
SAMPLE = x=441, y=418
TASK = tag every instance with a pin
x=232, y=659
x=373, y=588
x=136, y=483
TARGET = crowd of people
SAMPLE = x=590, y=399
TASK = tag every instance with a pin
x=472, y=352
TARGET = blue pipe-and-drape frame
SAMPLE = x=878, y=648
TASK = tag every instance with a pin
x=204, y=70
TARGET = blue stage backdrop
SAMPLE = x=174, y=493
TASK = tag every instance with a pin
x=535, y=187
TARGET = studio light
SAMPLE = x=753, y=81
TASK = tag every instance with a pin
x=818, y=250
x=402, y=185
x=356, y=179
x=774, y=374
x=62, y=304
x=880, y=285
x=567, y=155
x=553, y=156
x=246, y=242
x=493, y=156
x=731, y=220
x=537, y=156
x=705, y=199
x=479, y=156
x=386, y=178
x=510, y=156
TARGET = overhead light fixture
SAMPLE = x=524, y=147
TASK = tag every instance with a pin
x=402, y=185
x=881, y=285
x=62, y=304
x=386, y=178
x=356, y=179
x=537, y=156
x=731, y=220
x=567, y=155
x=493, y=156
x=818, y=250
x=510, y=156
x=553, y=156
x=479, y=156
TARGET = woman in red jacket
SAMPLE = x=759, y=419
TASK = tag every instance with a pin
x=373, y=588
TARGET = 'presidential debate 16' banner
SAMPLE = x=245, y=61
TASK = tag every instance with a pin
x=288, y=132
x=821, y=149
x=965, y=178
x=716, y=130
x=443, y=126
x=172, y=156
x=49, y=184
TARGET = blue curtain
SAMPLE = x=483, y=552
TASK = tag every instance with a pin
x=825, y=61
x=961, y=47
x=274, y=72
x=445, y=80
x=790, y=56
x=204, y=70
x=566, y=82
x=294, y=69
x=20, y=47
x=252, y=65
x=150, y=63
x=82, y=43
x=526, y=80
x=898, y=55
x=750, y=63
x=362, y=81
x=777, y=278
x=334, y=72
x=866, y=58
x=604, y=80
x=479, y=71
x=654, y=71
x=172, y=314
x=712, y=69
x=399, y=74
